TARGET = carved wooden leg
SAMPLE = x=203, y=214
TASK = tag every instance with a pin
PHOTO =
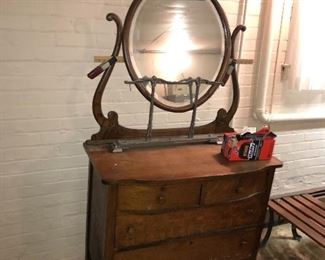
x=269, y=229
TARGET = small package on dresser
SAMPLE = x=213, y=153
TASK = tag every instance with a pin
x=248, y=146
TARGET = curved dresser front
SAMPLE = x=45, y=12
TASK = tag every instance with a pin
x=175, y=203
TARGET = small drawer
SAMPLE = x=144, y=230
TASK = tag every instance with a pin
x=141, y=197
x=235, y=187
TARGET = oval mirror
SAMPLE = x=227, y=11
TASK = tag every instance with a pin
x=175, y=40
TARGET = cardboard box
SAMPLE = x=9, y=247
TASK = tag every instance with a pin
x=248, y=146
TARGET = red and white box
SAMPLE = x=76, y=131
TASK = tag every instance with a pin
x=248, y=146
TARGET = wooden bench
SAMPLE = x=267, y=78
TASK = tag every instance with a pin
x=305, y=212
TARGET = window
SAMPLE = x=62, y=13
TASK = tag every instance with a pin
x=298, y=74
x=306, y=46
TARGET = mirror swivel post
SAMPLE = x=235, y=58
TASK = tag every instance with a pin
x=153, y=84
x=197, y=90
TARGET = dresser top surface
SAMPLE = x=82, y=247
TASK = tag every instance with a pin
x=174, y=163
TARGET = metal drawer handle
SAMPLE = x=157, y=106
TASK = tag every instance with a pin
x=243, y=243
x=249, y=211
x=161, y=199
x=130, y=230
x=238, y=189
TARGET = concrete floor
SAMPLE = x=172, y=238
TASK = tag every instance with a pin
x=281, y=246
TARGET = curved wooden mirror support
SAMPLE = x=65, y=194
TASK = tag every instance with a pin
x=178, y=53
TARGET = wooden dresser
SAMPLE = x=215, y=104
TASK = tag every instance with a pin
x=175, y=203
x=166, y=202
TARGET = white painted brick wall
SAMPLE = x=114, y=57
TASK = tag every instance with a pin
x=46, y=49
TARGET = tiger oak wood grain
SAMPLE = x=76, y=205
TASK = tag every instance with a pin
x=229, y=188
x=182, y=202
x=140, y=229
x=140, y=197
x=235, y=245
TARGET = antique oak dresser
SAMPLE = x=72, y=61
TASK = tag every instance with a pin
x=169, y=194
x=183, y=202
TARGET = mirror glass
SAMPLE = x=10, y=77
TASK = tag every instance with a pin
x=175, y=40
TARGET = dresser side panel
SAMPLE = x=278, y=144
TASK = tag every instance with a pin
x=270, y=177
x=98, y=218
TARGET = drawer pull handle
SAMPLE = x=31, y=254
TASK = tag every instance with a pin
x=161, y=199
x=249, y=211
x=130, y=230
x=243, y=243
x=238, y=189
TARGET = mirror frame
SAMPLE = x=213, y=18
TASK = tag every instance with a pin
x=222, y=72
x=110, y=128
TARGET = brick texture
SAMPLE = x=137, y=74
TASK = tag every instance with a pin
x=46, y=50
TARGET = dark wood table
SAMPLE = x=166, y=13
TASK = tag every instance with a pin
x=304, y=211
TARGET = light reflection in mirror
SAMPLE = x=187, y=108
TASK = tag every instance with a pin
x=174, y=40
x=176, y=48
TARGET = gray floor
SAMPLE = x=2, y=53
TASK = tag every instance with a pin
x=281, y=246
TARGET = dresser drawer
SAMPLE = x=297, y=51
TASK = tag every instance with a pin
x=230, y=188
x=143, y=229
x=237, y=245
x=140, y=197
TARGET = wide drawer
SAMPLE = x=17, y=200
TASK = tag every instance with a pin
x=235, y=245
x=142, y=229
x=235, y=187
x=142, y=197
